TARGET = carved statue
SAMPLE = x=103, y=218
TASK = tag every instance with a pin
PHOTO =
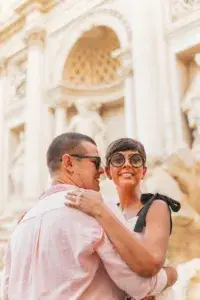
x=191, y=107
x=17, y=171
x=88, y=121
x=186, y=272
x=179, y=178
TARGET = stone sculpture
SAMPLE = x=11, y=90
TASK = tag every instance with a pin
x=179, y=177
x=88, y=121
x=191, y=107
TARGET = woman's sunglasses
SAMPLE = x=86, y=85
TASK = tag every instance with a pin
x=118, y=160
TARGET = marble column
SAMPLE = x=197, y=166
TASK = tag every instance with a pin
x=170, y=107
x=129, y=107
x=150, y=127
x=33, y=122
x=126, y=72
x=57, y=100
x=60, y=119
x=2, y=111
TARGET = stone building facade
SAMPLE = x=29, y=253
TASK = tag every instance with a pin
x=107, y=68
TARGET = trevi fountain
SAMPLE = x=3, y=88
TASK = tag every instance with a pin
x=109, y=69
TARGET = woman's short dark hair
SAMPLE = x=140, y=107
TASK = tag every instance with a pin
x=125, y=144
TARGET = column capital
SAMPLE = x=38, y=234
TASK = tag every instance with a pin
x=3, y=66
x=57, y=97
x=35, y=36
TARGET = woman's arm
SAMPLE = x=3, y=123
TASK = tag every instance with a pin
x=145, y=255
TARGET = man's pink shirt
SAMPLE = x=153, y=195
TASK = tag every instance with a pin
x=59, y=253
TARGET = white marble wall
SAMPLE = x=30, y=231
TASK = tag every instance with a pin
x=156, y=53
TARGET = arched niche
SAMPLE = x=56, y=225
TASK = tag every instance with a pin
x=98, y=18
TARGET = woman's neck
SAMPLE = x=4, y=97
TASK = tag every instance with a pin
x=130, y=197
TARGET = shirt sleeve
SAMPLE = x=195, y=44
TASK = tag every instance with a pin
x=134, y=285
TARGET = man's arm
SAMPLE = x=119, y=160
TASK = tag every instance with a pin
x=127, y=280
x=145, y=254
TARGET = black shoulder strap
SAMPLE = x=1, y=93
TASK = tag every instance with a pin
x=147, y=200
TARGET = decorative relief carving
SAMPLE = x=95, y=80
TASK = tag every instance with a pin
x=108, y=12
x=17, y=80
x=17, y=167
x=183, y=7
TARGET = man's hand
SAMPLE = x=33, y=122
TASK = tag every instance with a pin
x=88, y=201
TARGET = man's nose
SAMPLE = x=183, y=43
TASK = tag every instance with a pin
x=101, y=170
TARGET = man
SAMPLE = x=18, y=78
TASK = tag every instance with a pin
x=60, y=253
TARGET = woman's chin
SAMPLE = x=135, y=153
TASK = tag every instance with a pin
x=128, y=183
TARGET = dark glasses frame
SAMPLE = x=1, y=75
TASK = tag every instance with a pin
x=124, y=160
x=97, y=159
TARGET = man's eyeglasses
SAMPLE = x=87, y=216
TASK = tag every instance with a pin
x=95, y=159
x=118, y=160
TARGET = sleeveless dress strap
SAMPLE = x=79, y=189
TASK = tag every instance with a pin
x=147, y=200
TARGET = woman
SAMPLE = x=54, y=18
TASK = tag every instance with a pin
x=148, y=215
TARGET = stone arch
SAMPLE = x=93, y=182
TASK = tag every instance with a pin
x=104, y=17
x=89, y=65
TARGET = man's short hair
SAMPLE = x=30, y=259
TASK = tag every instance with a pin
x=125, y=144
x=70, y=143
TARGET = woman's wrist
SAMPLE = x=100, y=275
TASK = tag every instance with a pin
x=102, y=212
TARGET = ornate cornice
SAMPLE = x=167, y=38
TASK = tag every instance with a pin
x=27, y=6
x=64, y=94
x=10, y=28
x=17, y=21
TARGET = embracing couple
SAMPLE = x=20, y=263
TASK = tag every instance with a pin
x=71, y=245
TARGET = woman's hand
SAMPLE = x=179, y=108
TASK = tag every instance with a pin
x=88, y=201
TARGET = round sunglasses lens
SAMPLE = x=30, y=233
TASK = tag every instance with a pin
x=136, y=160
x=117, y=160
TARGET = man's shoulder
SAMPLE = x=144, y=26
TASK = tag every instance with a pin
x=52, y=209
x=46, y=204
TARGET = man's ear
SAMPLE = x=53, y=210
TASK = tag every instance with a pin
x=67, y=163
x=107, y=171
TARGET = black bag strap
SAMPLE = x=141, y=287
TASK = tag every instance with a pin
x=147, y=200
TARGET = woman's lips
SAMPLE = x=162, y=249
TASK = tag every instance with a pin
x=126, y=174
